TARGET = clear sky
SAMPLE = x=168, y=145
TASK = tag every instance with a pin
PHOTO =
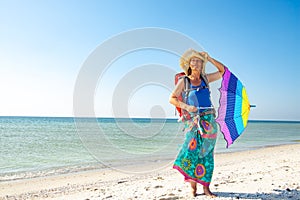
x=43, y=45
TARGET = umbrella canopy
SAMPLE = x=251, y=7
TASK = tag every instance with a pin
x=234, y=107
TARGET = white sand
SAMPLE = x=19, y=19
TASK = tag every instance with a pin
x=267, y=173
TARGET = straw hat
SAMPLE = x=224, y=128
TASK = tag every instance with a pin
x=184, y=61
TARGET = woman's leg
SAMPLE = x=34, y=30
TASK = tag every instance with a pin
x=207, y=192
x=194, y=188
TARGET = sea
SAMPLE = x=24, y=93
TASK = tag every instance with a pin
x=43, y=146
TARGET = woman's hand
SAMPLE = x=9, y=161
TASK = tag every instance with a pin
x=191, y=108
x=205, y=55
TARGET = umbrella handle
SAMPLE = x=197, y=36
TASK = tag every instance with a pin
x=251, y=106
x=208, y=107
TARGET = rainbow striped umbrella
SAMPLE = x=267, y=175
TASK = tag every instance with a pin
x=234, y=107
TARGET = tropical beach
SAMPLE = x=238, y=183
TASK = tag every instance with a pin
x=264, y=173
x=89, y=92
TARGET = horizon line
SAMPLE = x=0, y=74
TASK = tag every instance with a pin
x=154, y=118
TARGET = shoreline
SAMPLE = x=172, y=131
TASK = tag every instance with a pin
x=269, y=172
x=99, y=166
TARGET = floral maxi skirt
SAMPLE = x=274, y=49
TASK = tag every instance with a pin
x=195, y=160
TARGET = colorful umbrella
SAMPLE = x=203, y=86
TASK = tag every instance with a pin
x=234, y=107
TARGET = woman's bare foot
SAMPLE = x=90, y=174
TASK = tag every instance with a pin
x=207, y=192
x=194, y=189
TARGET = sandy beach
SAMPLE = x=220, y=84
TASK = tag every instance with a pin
x=266, y=173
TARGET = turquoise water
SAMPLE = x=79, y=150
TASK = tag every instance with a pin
x=35, y=146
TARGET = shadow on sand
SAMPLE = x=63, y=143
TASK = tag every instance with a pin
x=278, y=194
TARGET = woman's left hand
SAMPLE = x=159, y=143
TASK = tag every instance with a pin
x=204, y=54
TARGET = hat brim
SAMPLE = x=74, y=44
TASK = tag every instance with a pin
x=186, y=57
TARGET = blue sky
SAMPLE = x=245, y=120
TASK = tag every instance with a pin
x=43, y=45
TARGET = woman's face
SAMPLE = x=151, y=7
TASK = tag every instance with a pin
x=196, y=64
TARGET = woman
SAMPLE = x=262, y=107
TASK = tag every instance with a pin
x=195, y=159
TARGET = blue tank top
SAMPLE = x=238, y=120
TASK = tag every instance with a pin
x=199, y=97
